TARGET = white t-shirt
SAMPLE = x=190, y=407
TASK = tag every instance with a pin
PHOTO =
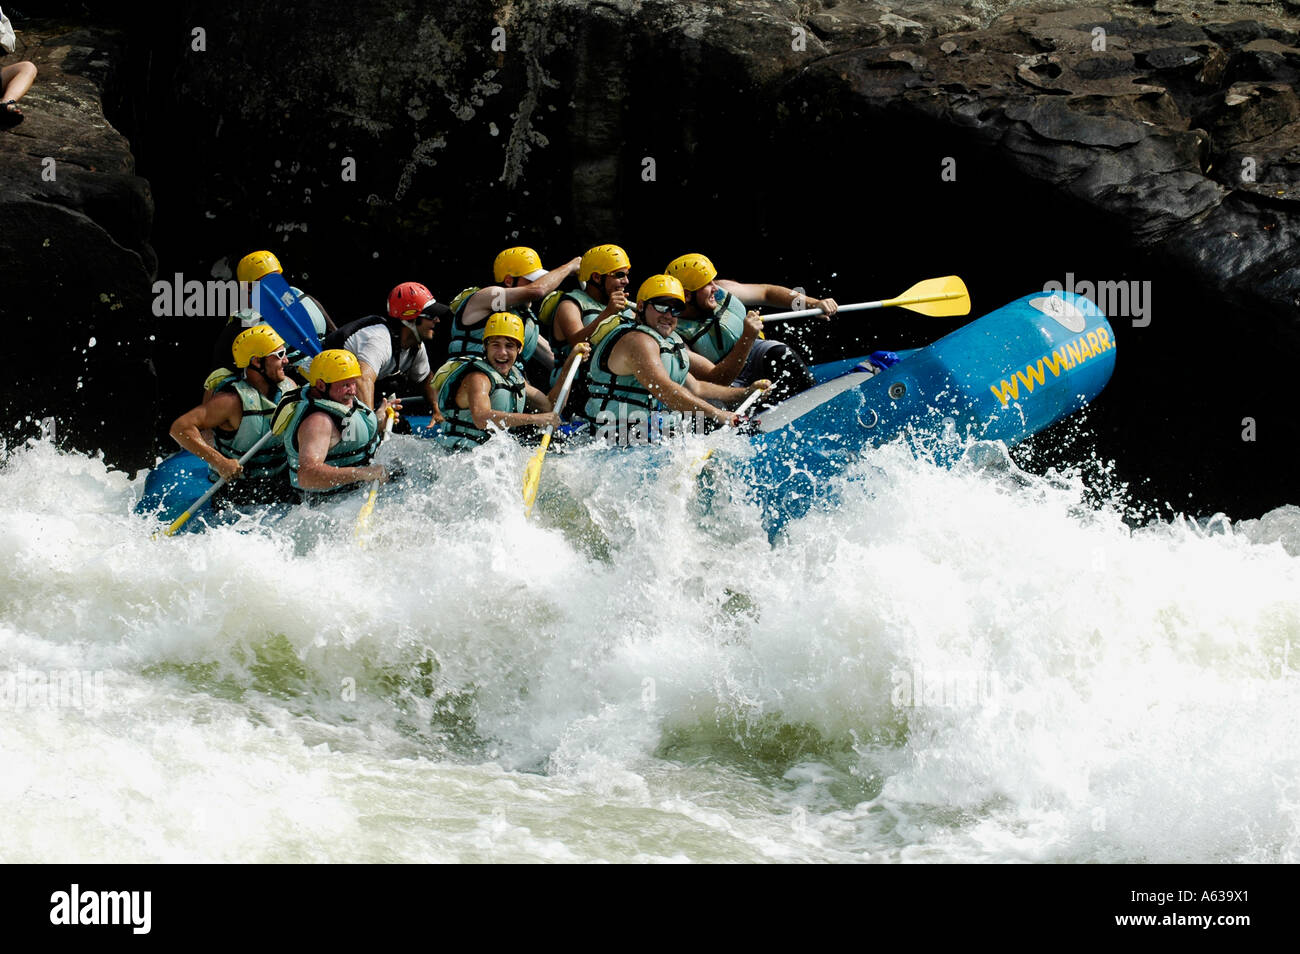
x=374, y=346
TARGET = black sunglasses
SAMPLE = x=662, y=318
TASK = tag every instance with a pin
x=669, y=306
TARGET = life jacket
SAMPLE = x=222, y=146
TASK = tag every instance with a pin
x=268, y=462
x=623, y=394
x=470, y=340
x=590, y=310
x=358, y=425
x=508, y=394
x=715, y=335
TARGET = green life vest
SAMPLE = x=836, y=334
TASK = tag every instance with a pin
x=623, y=394
x=458, y=431
x=470, y=340
x=256, y=421
x=715, y=336
x=359, y=427
x=590, y=310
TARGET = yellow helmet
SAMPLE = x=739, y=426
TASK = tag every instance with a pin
x=256, y=264
x=336, y=364
x=693, y=270
x=255, y=342
x=505, y=325
x=602, y=260
x=518, y=262
x=660, y=286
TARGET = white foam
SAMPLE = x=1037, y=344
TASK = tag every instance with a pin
x=629, y=677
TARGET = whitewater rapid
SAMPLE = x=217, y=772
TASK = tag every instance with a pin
x=973, y=664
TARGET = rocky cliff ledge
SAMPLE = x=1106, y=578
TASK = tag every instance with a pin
x=75, y=258
x=1181, y=130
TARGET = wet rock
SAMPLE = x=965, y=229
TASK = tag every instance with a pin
x=75, y=258
x=1146, y=119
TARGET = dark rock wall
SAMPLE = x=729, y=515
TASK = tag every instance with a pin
x=75, y=254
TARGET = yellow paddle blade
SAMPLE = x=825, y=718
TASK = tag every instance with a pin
x=177, y=523
x=937, y=297
x=533, y=475
x=367, y=508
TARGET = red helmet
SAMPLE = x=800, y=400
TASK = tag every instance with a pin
x=407, y=300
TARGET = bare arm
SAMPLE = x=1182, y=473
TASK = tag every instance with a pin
x=543, y=354
x=431, y=395
x=499, y=298
x=222, y=411
x=726, y=370
x=777, y=296
x=534, y=398
x=639, y=355
x=366, y=387
x=617, y=302
x=716, y=392
x=567, y=322
x=475, y=394
x=316, y=435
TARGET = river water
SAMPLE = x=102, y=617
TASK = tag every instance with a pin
x=973, y=664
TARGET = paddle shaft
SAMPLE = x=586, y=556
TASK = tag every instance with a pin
x=533, y=474
x=564, y=391
x=363, y=518
x=746, y=404
x=862, y=306
x=198, y=504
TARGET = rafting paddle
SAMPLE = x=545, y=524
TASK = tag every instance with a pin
x=936, y=297
x=367, y=508
x=533, y=472
x=744, y=406
x=281, y=309
x=198, y=504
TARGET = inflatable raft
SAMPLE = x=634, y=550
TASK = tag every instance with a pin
x=1003, y=377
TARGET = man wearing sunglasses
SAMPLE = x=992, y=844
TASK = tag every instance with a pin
x=238, y=414
x=392, y=348
x=637, y=368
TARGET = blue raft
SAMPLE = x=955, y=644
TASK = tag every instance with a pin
x=1003, y=377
